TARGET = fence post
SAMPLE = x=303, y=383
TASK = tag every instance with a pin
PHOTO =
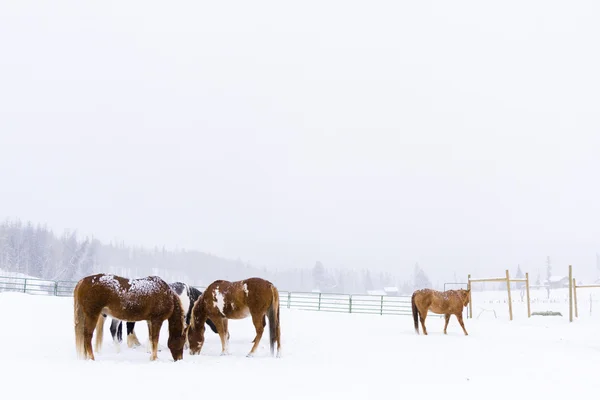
x=56, y=288
x=381, y=307
x=528, y=299
x=25, y=286
x=570, y=293
x=289, y=299
x=350, y=304
x=509, y=296
x=470, y=315
x=319, y=308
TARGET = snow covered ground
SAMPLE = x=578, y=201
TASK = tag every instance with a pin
x=324, y=356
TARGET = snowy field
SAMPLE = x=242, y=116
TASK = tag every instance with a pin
x=324, y=356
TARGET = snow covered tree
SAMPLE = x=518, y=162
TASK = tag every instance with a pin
x=421, y=280
x=519, y=275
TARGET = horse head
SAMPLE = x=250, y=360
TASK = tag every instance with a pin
x=195, y=330
x=466, y=296
x=177, y=329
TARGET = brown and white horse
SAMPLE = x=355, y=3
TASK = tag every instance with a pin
x=447, y=303
x=223, y=300
x=150, y=299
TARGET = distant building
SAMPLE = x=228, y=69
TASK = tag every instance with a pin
x=391, y=291
x=376, y=292
x=556, y=282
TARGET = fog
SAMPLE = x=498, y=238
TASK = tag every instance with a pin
x=460, y=135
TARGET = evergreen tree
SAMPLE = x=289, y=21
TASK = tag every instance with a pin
x=421, y=281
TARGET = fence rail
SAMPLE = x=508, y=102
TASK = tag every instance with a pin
x=346, y=303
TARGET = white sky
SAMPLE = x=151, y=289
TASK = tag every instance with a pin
x=463, y=135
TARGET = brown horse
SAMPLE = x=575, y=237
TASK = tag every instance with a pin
x=447, y=303
x=223, y=300
x=150, y=299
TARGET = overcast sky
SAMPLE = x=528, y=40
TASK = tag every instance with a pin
x=463, y=135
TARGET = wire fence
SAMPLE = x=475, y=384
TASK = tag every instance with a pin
x=330, y=302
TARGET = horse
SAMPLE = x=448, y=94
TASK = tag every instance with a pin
x=188, y=296
x=447, y=303
x=150, y=299
x=223, y=300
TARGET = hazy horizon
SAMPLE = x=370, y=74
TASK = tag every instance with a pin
x=461, y=136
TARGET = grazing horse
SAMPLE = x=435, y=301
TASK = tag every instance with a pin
x=150, y=299
x=447, y=303
x=223, y=300
x=188, y=296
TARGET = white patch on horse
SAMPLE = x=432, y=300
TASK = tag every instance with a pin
x=246, y=289
x=185, y=303
x=219, y=301
x=232, y=306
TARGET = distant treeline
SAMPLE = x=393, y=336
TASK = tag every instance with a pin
x=37, y=251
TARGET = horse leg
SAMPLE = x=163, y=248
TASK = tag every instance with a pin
x=132, y=340
x=422, y=316
x=153, y=332
x=447, y=317
x=222, y=325
x=116, y=333
x=88, y=332
x=120, y=332
x=264, y=326
x=100, y=332
x=460, y=321
x=260, y=328
x=226, y=333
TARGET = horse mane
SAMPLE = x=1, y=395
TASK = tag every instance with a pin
x=178, y=287
x=194, y=293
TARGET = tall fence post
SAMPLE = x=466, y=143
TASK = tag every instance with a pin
x=528, y=300
x=289, y=299
x=319, y=308
x=381, y=307
x=25, y=286
x=56, y=288
x=350, y=304
x=470, y=314
x=509, y=296
x=570, y=293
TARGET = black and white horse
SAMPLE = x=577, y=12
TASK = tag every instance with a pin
x=188, y=296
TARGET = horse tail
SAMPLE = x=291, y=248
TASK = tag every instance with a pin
x=415, y=312
x=100, y=332
x=79, y=319
x=273, y=314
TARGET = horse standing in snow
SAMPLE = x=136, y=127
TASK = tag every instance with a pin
x=223, y=300
x=150, y=299
x=447, y=303
x=188, y=296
